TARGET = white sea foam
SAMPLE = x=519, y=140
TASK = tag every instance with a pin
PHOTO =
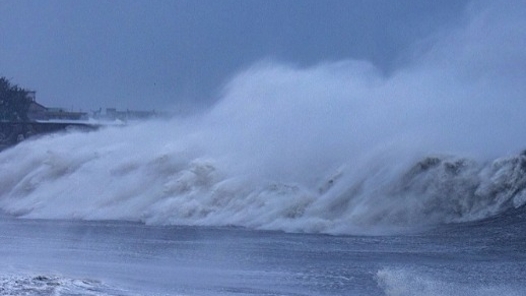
x=22, y=285
x=337, y=147
x=407, y=282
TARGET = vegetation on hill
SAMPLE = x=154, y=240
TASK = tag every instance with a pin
x=14, y=101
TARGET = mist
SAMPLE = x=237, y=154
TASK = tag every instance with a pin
x=286, y=144
x=463, y=93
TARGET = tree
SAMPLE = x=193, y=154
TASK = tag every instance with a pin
x=14, y=101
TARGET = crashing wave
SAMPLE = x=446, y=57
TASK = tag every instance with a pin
x=171, y=190
x=53, y=285
x=444, y=189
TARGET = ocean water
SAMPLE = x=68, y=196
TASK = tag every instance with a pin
x=55, y=257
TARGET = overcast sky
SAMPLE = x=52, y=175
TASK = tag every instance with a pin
x=164, y=54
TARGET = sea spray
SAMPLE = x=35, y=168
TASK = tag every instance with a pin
x=175, y=189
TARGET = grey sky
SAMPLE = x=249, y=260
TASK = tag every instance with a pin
x=163, y=54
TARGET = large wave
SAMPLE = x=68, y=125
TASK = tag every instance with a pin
x=336, y=147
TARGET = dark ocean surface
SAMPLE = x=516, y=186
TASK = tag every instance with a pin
x=55, y=257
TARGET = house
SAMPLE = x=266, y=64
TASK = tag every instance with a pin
x=37, y=111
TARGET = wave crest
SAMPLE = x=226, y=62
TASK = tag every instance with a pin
x=385, y=194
